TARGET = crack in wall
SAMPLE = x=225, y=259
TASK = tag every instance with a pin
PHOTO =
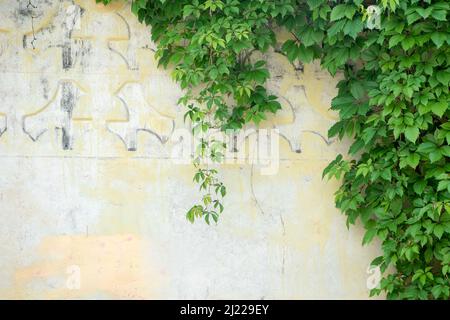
x=30, y=7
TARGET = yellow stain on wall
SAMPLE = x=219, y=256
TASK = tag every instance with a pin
x=109, y=267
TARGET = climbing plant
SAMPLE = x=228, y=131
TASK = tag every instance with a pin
x=393, y=102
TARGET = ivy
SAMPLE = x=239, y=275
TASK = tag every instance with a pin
x=393, y=103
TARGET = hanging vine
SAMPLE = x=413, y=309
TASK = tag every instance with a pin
x=393, y=103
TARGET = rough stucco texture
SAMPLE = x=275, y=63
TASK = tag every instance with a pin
x=87, y=185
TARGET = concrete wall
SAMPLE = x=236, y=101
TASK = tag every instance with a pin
x=85, y=216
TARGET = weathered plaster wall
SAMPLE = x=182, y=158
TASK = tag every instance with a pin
x=87, y=186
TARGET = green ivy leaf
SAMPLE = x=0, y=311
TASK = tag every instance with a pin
x=396, y=39
x=369, y=235
x=443, y=77
x=341, y=11
x=438, y=38
x=311, y=36
x=357, y=90
x=426, y=147
x=353, y=27
x=443, y=185
x=419, y=186
x=413, y=160
x=439, y=108
x=439, y=15
x=438, y=230
x=412, y=133
x=435, y=156
x=408, y=43
x=305, y=54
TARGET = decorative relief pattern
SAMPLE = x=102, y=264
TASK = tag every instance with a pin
x=136, y=39
x=141, y=117
x=57, y=33
x=302, y=104
x=106, y=51
x=58, y=114
x=305, y=118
